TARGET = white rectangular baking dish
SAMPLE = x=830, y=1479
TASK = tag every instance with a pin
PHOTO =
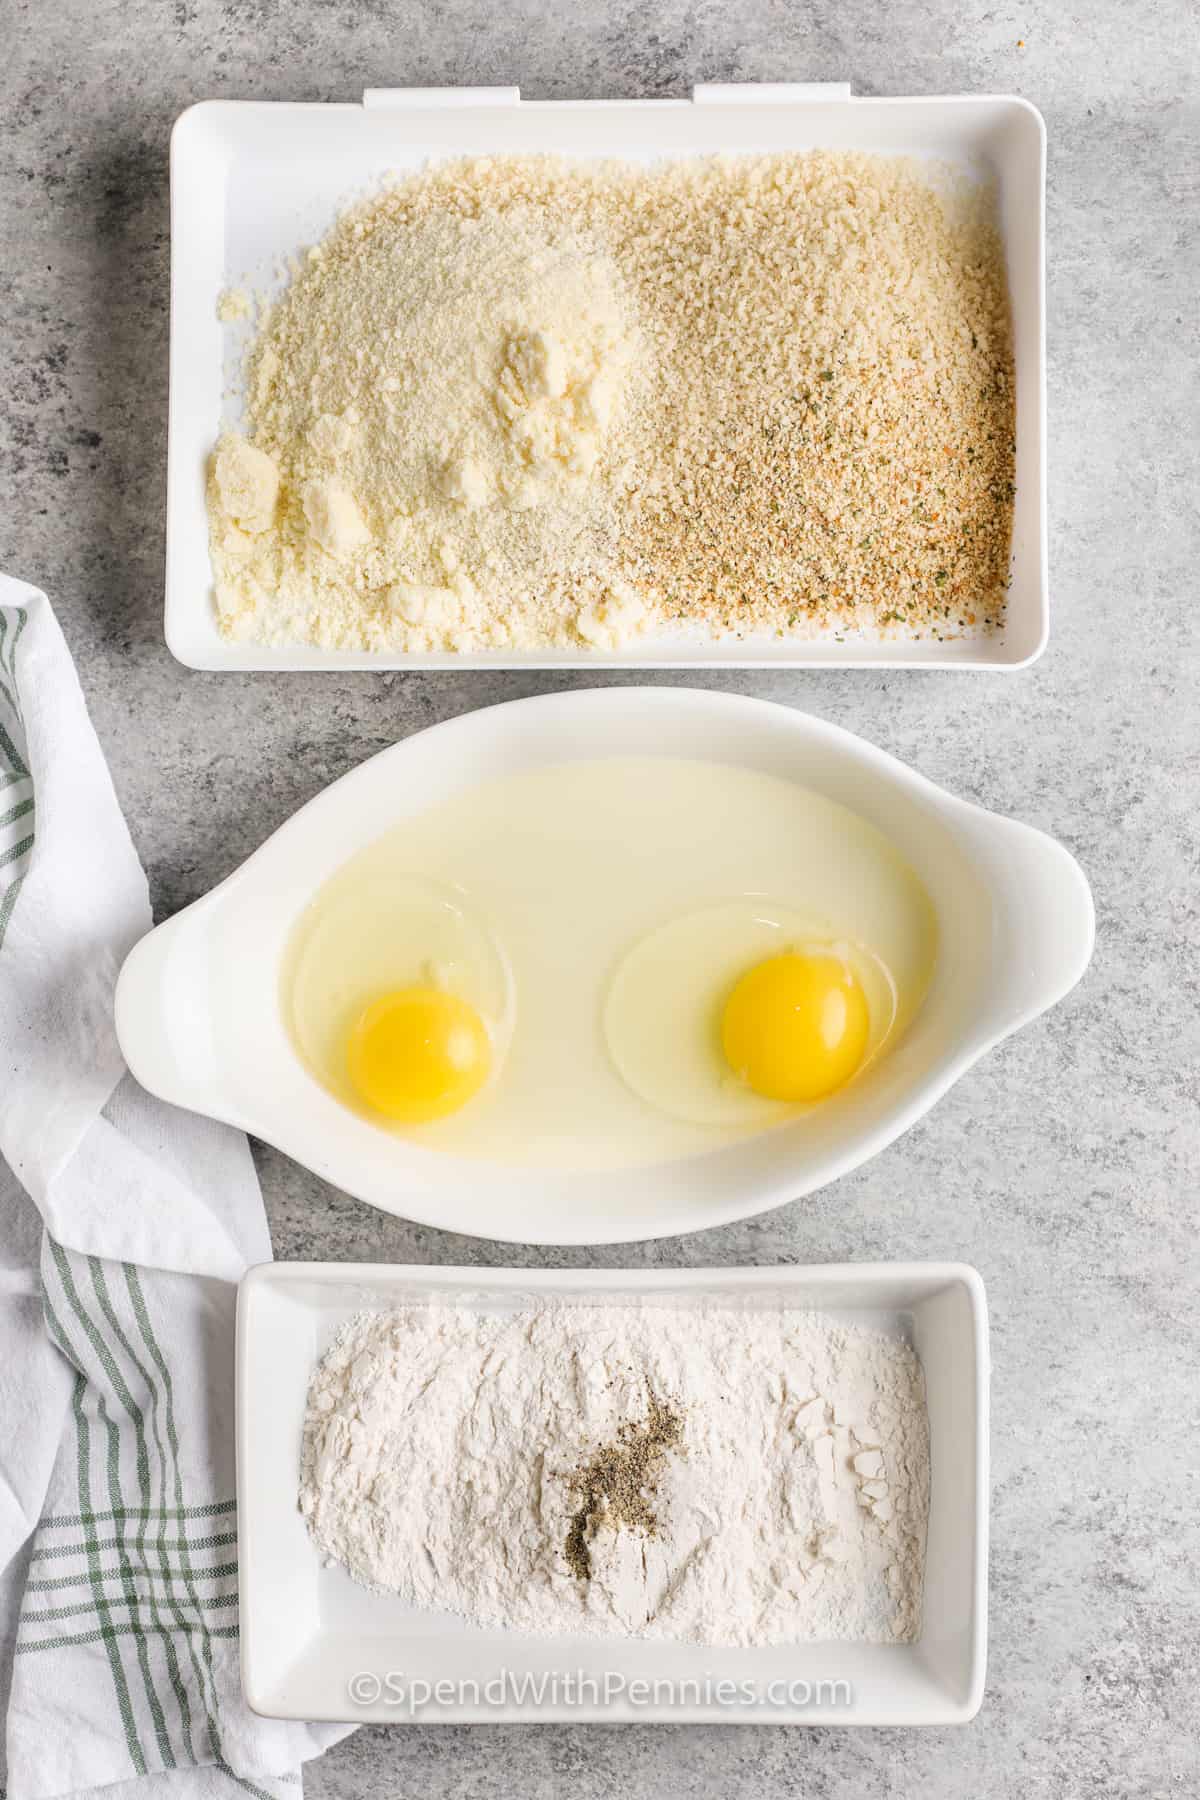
x=253, y=183
x=315, y=1645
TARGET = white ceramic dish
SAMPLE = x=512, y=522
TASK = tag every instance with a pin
x=199, y=1021
x=307, y=1632
x=253, y=183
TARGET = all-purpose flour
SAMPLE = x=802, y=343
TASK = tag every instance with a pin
x=481, y=1463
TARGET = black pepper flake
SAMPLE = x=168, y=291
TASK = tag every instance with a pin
x=621, y=1479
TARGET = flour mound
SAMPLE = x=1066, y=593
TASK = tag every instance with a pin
x=445, y=1452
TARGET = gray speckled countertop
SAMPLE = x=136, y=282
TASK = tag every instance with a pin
x=1064, y=1166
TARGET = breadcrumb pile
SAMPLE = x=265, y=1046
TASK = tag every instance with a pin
x=523, y=402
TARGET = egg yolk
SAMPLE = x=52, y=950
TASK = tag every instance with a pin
x=418, y=1054
x=795, y=1026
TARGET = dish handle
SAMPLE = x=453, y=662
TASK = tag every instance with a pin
x=1044, y=921
x=163, y=1014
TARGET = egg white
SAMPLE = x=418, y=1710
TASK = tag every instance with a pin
x=596, y=913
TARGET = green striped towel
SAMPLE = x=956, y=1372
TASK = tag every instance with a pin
x=124, y=1226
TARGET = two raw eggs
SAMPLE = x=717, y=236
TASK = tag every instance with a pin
x=609, y=962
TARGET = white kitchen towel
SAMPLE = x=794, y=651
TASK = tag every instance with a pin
x=124, y=1226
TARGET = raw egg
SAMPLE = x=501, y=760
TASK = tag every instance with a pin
x=400, y=999
x=738, y=1013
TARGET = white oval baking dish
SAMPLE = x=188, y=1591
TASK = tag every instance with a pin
x=199, y=1020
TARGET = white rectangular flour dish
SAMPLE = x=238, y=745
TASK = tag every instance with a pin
x=315, y=1645
x=253, y=183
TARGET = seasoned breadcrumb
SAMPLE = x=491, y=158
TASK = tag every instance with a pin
x=523, y=401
